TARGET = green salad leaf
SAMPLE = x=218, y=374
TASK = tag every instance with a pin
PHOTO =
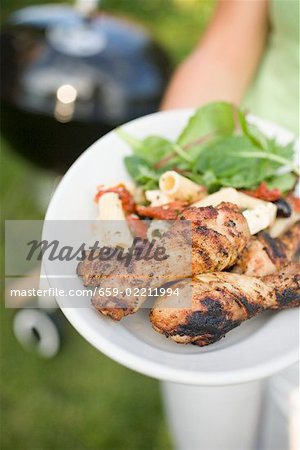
x=213, y=119
x=218, y=147
x=284, y=182
x=225, y=159
x=141, y=172
x=151, y=149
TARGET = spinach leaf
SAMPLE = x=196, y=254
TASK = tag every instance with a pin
x=267, y=144
x=141, y=172
x=218, y=147
x=151, y=149
x=234, y=162
x=284, y=182
x=213, y=119
x=285, y=151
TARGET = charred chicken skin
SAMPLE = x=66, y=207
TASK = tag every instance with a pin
x=265, y=255
x=217, y=237
x=213, y=304
x=128, y=280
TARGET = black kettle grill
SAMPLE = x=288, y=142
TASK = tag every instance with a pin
x=69, y=77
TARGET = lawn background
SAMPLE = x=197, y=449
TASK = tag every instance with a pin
x=81, y=399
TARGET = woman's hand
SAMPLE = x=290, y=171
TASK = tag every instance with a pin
x=223, y=64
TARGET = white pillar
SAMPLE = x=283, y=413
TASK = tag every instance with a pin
x=214, y=418
x=281, y=417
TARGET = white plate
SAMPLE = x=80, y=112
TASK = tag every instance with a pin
x=256, y=349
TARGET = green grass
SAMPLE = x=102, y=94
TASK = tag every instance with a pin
x=81, y=399
x=78, y=400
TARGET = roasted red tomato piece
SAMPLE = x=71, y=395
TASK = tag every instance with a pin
x=125, y=196
x=264, y=193
x=137, y=226
x=169, y=211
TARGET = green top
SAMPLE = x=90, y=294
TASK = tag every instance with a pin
x=274, y=93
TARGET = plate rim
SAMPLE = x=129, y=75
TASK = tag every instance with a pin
x=153, y=368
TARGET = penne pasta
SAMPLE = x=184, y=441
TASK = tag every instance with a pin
x=114, y=229
x=282, y=224
x=157, y=198
x=223, y=195
x=178, y=187
x=110, y=207
x=139, y=195
x=258, y=213
x=260, y=217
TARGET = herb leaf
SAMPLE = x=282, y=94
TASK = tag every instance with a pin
x=284, y=182
x=141, y=172
x=213, y=119
x=218, y=147
x=151, y=149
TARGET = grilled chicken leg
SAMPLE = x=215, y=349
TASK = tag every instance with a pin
x=125, y=287
x=265, y=255
x=216, y=238
x=219, y=235
x=213, y=304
